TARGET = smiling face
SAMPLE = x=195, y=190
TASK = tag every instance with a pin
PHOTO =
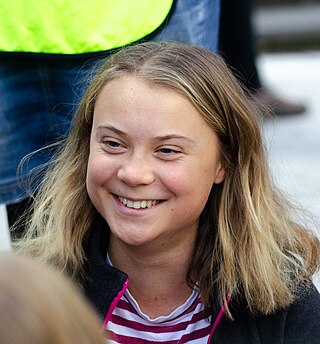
x=153, y=161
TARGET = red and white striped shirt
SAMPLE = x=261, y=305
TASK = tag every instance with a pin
x=186, y=324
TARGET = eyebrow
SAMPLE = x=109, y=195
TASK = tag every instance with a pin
x=157, y=138
x=112, y=128
x=174, y=136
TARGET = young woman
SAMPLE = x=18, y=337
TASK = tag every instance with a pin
x=160, y=204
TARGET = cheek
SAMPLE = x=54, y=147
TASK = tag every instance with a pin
x=177, y=181
x=199, y=185
x=98, y=172
x=191, y=197
x=90, y=180
x=191, y=184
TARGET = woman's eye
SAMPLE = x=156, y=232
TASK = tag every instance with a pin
x=169, y=151
x=112, y=144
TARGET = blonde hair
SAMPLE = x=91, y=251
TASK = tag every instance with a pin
x=38, y=305
x=248, y=241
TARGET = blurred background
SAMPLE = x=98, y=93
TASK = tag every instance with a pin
x=287, y=25
x=288, y=58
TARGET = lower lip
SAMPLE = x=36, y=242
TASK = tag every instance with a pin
x=134, y=211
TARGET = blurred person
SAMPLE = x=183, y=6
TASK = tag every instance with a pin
x=46, y=62
x=160, y=204
x=237, y=46
x=38, y=305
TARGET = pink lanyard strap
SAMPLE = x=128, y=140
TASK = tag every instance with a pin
x=114, y=304
x=219, y=316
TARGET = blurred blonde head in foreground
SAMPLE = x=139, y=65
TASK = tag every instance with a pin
x=38, y=305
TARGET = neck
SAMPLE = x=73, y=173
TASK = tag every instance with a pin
x=158, y=278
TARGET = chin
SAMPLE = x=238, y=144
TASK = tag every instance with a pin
x=132, y=240
x=136, y=241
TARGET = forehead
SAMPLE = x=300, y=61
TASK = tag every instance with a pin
x=131, y=101
x=137, y=95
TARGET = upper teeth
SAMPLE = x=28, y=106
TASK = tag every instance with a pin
x=137, y=204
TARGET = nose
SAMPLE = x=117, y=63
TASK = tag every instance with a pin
x=136, y=170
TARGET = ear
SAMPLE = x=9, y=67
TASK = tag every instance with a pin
x=219, y=177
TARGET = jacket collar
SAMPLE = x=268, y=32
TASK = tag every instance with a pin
x=102, y=282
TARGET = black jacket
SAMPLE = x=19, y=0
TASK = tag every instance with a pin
x=297, y=324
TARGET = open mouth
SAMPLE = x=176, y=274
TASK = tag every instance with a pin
x=138, y=204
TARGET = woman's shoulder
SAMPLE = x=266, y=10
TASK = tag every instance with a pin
x=296, y=324
x=303, y=317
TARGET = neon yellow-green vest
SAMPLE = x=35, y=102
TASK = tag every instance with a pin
x=77, y=26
